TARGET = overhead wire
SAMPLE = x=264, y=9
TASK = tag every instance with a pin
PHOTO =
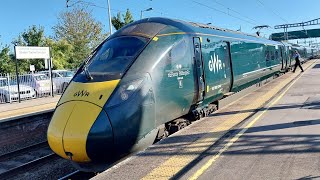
x=218, y=10
x=97, y=6
x=215, y=1
x=241, y=14
x=270, y=9
x=245, y=19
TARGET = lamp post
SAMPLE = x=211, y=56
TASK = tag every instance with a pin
x=149, y=9
x=110, y=23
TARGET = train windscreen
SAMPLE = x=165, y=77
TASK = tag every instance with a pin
x=112, y=59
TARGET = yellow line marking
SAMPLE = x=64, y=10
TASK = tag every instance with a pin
x=170, y=34
x=190, y=152
x=27, y=110
x=234, y=139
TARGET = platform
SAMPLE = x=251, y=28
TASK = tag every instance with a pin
x=271, y=133
x=27, y=108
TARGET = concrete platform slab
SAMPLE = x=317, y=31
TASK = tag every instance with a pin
x=27, y=108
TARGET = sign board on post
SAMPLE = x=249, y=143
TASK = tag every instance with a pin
x=46, y=66
x=32, y=68
x=46, y=63
x=32, y=52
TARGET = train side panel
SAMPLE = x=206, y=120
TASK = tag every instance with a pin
x=253, y=62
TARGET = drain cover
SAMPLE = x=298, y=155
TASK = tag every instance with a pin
x=312, y=103
x=316, y=66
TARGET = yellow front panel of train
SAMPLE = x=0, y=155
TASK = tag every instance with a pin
x=96, y=92
x=77, y=129
x=74, y=116
x=58, y=123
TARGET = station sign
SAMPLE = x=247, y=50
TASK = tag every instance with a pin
x=32, y=52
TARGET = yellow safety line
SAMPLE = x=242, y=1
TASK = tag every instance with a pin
x=176, y=163
x=234, y=139
x=27, y=110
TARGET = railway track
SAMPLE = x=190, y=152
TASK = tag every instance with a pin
x=24, y=159
x=78, y=175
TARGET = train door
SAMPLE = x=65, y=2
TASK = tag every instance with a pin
x=283, y=62
x=228, y=67
x=198, y=60
x=218, y=68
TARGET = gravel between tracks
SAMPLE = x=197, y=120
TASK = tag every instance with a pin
x=53, y=170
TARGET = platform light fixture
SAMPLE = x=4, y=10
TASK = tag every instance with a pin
x=149, y=9
x=109, y=14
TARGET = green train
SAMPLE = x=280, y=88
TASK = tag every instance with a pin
x=147, y=78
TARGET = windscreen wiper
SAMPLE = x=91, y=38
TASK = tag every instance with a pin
x=88, y=75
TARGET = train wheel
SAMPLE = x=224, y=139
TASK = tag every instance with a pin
x=177, y=125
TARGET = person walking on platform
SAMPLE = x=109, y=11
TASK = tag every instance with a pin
x=298, y=63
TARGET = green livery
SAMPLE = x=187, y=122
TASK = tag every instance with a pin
x=160, y=70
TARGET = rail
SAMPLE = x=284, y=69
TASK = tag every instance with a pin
x=19, y=161
x=78, y=175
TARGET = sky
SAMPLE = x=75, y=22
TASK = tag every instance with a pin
x=18, y=15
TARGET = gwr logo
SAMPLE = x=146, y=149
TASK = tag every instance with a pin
x=83, y=93
x=215, y=63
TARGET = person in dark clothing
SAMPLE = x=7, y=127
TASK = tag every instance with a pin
x=298, y=63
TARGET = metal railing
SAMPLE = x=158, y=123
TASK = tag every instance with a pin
x=31, y=86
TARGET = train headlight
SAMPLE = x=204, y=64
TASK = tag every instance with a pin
x=125, y=91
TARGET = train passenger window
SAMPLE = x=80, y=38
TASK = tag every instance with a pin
x=267, y=55
x=178, y=51
x=272, y=55
x=175, y=55
x=277, y=55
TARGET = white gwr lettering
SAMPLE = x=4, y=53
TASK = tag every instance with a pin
x=215, y=64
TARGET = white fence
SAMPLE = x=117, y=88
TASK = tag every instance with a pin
x=32, y=85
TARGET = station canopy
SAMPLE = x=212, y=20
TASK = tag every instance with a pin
x=302, y=34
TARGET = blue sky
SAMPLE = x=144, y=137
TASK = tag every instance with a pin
x=18, y=15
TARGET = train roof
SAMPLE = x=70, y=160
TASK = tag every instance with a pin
x=150, y=27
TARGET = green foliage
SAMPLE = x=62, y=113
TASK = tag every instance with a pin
x=61, y=51
x=128, y=18
x=118, y=21
x=79, y=29
x=7, y=64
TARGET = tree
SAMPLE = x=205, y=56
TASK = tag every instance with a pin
x=81, y=30
x=61, y=51
x=7, y=64
x=118, y=21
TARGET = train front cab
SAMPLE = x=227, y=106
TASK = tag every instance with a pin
x=109, y=108
x=100, y=106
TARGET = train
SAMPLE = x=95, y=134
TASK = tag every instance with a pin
x=151, y=78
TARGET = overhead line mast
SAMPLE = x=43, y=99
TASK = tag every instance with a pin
x=302, y=24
